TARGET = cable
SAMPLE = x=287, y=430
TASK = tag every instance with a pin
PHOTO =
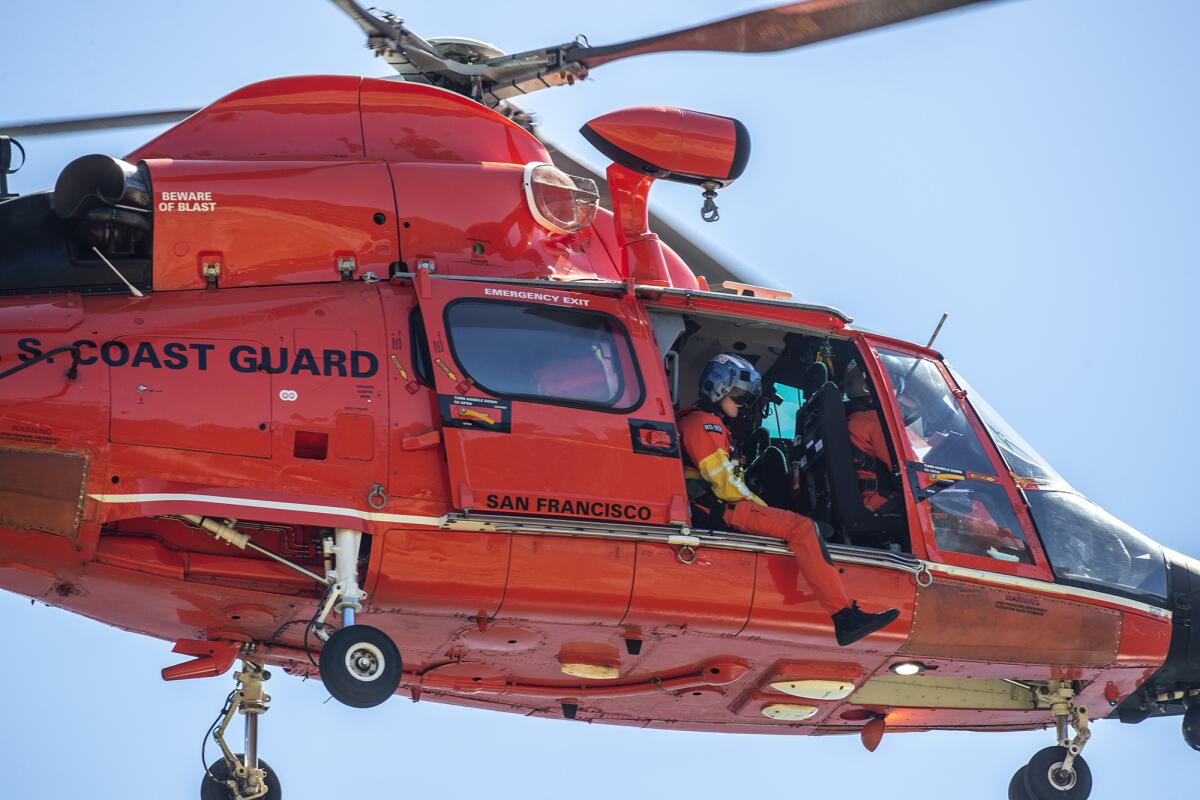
x=72, y=373
x=204, y=743
x=312, y=623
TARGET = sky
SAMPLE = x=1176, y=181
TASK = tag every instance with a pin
x=1029, y=167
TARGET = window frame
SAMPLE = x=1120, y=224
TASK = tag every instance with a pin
x=614, y=321
x=419, y=354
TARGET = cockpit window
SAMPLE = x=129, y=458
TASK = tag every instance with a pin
x=971, y=513
x=1021, y=458
x=1085, y=543
x=937, y=427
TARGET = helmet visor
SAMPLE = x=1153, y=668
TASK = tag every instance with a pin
x=741, y=397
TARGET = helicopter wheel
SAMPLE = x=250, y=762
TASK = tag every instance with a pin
x=1016, y=787
x=1045, y=779
x=213, y=786
x=360, y=666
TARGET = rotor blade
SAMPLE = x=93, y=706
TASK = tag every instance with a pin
x=773, y=29
x=371, y=25
x=46, y=127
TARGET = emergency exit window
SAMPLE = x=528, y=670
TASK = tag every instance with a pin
x=544, y=353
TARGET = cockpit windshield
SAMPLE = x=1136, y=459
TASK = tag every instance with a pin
x=1084, y=543
x=937, y=427
x=1020, y=457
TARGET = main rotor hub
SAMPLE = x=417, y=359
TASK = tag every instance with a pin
x=465, y=50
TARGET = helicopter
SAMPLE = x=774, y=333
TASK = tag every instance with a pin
x=327, y=366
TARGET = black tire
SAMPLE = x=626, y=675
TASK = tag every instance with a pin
x=1191, y=727
x=1038, y=782
x=213, y=785
x=1016, y=787
x=360, y=666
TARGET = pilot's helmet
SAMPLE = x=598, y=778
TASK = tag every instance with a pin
x=855, y=382
x=732, y=376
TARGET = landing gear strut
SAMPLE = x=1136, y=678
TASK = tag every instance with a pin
x=1059, y=772
x=242, y=776
x=360, y=665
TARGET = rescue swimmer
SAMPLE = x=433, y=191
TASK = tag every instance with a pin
x=713, y=471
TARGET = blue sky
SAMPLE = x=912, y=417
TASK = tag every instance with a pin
x=1030, y=167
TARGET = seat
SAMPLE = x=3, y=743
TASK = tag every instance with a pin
x=825, y=460
x=816, y=375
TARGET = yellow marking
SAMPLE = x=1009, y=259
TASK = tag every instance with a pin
x=399, y=367
x=442, y=366
x=470, y=412
x=594, y=671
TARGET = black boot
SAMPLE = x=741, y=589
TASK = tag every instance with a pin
x=852, y=623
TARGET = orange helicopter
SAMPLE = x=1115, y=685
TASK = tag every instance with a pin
x=299, y=383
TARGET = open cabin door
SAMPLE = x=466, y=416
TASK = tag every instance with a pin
x=552, y=402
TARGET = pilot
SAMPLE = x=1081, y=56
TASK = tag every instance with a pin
x=871, y=455
x=728, y=384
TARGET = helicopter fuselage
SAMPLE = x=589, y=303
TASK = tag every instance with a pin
x=353, y=320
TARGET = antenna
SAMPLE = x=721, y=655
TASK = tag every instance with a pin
x=937, y=330
x=928, y=346
x=116, y=272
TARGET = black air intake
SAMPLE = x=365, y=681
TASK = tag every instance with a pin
x=98, y=181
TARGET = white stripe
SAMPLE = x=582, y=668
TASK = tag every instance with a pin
x=370, y=516
x=946, y=569
x=1046, y=588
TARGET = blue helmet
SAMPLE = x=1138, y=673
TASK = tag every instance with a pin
x=728, y=375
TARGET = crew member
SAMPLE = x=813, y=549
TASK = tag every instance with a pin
x=866, y=437
x=728, y=384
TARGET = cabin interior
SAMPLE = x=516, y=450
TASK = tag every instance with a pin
x=796, y=444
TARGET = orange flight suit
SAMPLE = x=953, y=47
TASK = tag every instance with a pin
x=866, y=435
x=707, y=452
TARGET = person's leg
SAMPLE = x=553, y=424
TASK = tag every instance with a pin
x=850, y=623
x=803, y=540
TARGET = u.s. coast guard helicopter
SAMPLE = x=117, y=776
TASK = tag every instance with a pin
x=300, y=361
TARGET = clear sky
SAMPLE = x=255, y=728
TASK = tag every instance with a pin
x=1030, y=167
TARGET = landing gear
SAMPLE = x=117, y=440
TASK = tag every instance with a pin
x=1059, y=772
x=1191, y=725
x=215, y=785
x=360, y=665
x=242, y=776
x=1047, y=776
x=1016, y=787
